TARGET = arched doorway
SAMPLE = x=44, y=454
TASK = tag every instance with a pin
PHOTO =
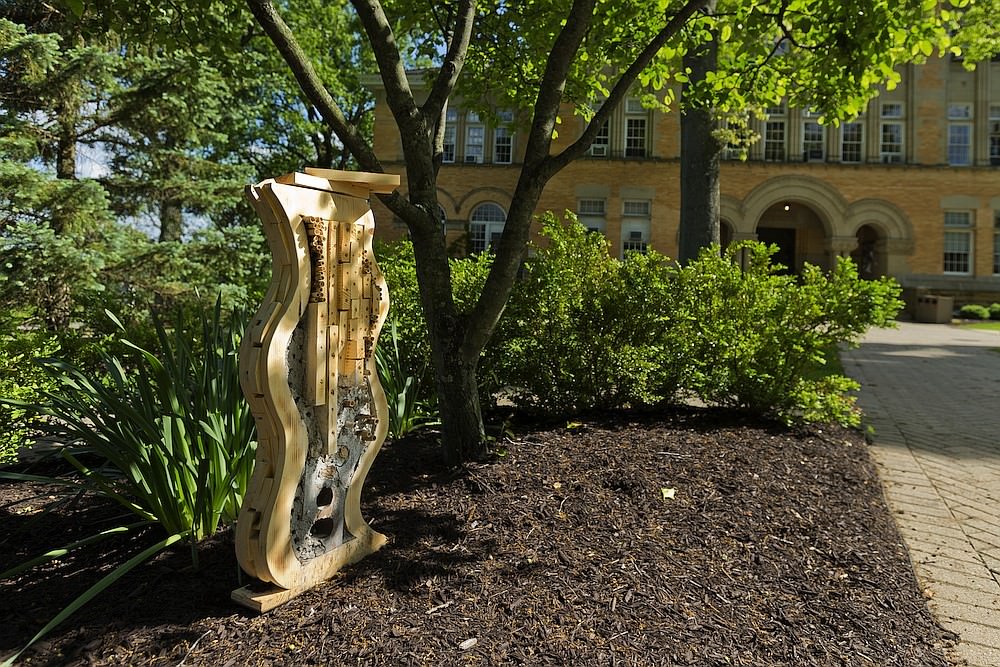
x=725, y=234
x=799, y=233
x=868, y=255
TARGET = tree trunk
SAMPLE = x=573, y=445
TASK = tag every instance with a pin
x=700, y=153
x=65, y=153
x=463, y=436
x=57, y=303
x=171, y=220
x=66, y=149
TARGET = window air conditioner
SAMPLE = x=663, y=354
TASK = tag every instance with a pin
x=599, y=150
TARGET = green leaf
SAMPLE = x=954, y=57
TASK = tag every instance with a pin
x=75, y=6
x=62, y=551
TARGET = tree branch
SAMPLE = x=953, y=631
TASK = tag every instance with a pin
x=553, y=84
x=279, y=33
x=390, y=65
x=458, y=47
x=624, y=83
x=534, y=174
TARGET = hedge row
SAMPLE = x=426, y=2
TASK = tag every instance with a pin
x=584, y=330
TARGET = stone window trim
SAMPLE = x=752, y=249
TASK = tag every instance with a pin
x=450, y=144
x=592, y=213
x=957, y=256
x=891, y=147
x=993, y=139
x=601, y=146
x=959, y=144
x=503, y=146
x=636, y=224
x=893, y=110
x=813, y=141
x=636, y=125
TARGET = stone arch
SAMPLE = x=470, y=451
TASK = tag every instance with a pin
x=730, y=210
x=818, y=195
x=884, y=216
x=448, y=202
x=894, y=236
x=477, y=196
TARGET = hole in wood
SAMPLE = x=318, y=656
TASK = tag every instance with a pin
x=322, y=527
x=343, y=453
x=325, y=496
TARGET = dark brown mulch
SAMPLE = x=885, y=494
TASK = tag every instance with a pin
x=776, y=548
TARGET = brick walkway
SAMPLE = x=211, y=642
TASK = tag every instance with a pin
x=931, y=393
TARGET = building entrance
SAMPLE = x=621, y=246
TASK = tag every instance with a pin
x=798, y=232
x=785, y=240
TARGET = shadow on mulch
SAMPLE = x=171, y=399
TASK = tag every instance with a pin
x=692, y=538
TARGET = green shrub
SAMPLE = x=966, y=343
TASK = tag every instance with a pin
x=412, y=347
x=972, y=311
x=174, y=436
x=754, y=335
x=22, y=380
x=994, y=311
x=584, y=330
x=580, y=329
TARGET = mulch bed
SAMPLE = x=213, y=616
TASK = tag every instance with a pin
x=693, y=538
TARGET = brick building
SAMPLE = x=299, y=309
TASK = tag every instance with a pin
x=911, y=189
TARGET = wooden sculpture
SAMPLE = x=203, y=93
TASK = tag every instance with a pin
x=307, y=368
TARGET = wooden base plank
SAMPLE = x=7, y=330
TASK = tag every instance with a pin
x=262, y=598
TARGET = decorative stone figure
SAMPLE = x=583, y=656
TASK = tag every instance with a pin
x=307, y=368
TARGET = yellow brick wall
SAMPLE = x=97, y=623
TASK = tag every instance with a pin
x=915, y=194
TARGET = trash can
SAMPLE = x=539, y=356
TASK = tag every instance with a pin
x=934, y=309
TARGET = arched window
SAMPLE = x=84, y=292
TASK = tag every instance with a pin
x=485, y=226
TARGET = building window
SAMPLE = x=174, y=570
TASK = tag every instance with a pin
x=635, y=225
x=891, y=146
x=503, y=145
x=474, y=135
x=485, y=226
x=774, y=140
x=503, y=138
x=995, y=135
x=959, y=144
x=635, y=128
x=813, y=141
x=852, y=141
x=599, y=148
x=450, y=134
x=996, y=243
x=892, y=110
x=959, y=134
x=958, y=242
x=592, y=214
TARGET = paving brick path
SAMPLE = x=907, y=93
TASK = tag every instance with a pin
x=931, y=392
